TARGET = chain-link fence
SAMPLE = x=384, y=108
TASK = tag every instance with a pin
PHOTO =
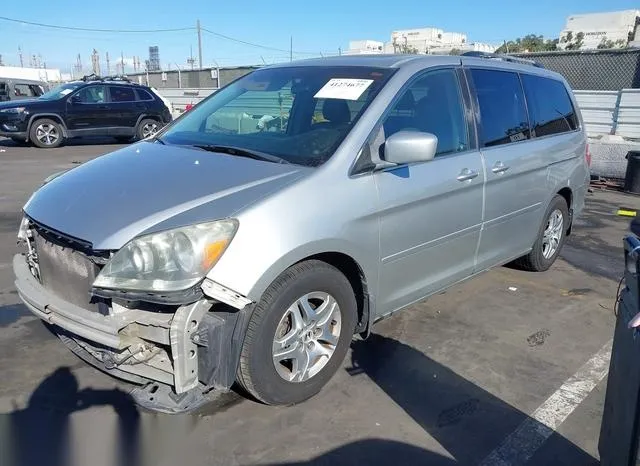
x=598, y=70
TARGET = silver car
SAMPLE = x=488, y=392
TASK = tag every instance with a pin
x=254, y=236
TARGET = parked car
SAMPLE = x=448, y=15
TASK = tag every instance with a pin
x=220, y=251
x=91, y=107
x=20, y=89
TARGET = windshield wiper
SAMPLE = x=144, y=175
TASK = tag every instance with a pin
x=239, y=152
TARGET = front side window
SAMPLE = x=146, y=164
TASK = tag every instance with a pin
x=550, y=108
x=121, y=94
x=503, y=114
x=300, y=114
x=433, y=104
x=90, y=95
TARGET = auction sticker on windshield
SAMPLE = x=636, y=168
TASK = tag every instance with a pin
x=343, y=88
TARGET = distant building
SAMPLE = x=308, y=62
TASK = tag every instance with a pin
x=36, y=74
x=421, y=41
x=611, y=29
x=153, y=64
x=359, y=47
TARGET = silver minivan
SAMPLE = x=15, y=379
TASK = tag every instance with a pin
x=253, y=237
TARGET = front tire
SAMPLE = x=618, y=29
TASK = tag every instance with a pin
x=298, y=335
x=550, y=238
x=46, y=133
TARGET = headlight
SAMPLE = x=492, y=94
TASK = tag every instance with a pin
x=13, y=110
x=172, y=260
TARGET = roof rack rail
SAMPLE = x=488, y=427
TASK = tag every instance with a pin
x=115, y=77
x=499, y=56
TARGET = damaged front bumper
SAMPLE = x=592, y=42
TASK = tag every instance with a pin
x=196, y=346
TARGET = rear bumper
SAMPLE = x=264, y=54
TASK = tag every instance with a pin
x=153, y=345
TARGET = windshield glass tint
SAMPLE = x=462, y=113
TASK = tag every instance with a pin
x=300, y=114
x=60, y=91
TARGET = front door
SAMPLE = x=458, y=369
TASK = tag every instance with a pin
x=430, y=212
x=88, y=111
x=516, y=173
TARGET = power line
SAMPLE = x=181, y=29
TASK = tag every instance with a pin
x=71, y=28
x=147, y=31
x=253, y=44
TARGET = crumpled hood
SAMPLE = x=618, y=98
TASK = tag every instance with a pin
x=150, y=187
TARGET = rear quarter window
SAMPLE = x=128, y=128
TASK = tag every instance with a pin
x=550, y=108
x=503, y=114
x=143, y=95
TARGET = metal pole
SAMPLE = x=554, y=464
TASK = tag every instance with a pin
x=199, y=45
x=122, y=60
x=291, y=49
x=179, y=77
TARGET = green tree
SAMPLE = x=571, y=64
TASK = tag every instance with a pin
x=573, y=43
x=455, y=52
x=528, y=43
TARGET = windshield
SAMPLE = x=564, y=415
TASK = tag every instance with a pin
x=300, y=114
x=60, y=91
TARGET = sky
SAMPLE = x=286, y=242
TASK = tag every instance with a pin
x=317, y=27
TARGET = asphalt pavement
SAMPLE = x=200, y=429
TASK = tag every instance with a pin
x=456, y=379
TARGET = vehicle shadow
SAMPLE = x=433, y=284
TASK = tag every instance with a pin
x=373, y=452
x=40, y=434
x=468, y=421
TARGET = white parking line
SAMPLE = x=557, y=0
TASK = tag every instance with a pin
x=523, y=442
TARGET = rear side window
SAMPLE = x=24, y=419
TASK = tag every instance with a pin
x=122, y=94
x=143, y=95
x=550, y=108
x=23, y=90
x=503, y=113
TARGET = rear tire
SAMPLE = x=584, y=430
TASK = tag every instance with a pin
x=147, y=127
x=46, y=133
x=309, y=313
x=550, y=240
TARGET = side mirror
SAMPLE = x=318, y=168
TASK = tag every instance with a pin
x=75, y=99
x=410, y=146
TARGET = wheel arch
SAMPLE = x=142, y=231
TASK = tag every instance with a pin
x=567, y=194
x=51, y=116
x=338, y=257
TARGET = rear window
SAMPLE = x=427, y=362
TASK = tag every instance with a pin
x=143, y=95
x=503, y=113
x=122, y=94
x=550, y=108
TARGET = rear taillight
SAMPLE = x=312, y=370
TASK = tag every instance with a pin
x=587, y=156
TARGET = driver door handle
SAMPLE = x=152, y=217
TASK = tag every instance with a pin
x=499, y=167
x=467, y=175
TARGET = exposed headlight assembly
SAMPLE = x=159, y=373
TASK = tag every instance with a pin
x=172, y=260
x=13, y=110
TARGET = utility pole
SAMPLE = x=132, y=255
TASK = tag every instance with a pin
x=291, y=49
x=108, y=65
x=122, y=60
x=20, y=55
x=340, y=51
x=199, y=45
